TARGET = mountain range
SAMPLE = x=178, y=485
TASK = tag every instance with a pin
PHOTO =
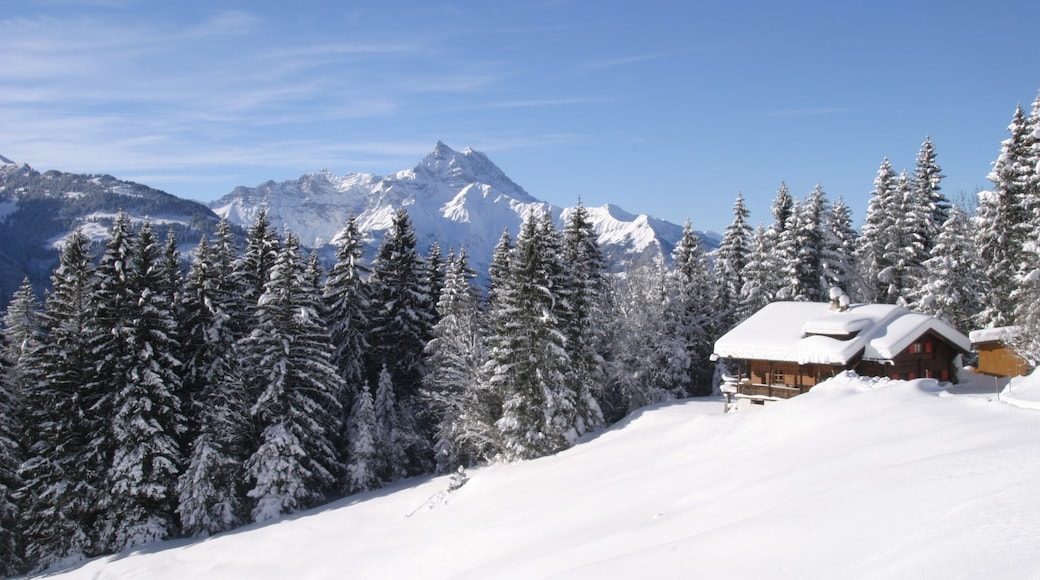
x=454, y=198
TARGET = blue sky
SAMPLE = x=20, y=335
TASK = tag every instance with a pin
x=662, y=107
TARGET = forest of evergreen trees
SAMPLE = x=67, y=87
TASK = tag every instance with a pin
x=140, y=403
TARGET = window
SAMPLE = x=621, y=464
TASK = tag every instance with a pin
x=778, y=377
x=917, y=348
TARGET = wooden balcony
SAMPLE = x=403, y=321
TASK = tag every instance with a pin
x=775, y=391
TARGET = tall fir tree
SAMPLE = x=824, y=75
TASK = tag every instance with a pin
x=954, y=291
x=60, y=479
x=347, y=307
x=583, y=303
x=692, y=309
x=874, y=251
x=455, y=356
x=759, y=276
x=146, y=419
x=401, y=321
x=839, y=254
x=295, y=464
x=927, y=193
x=1000, y=232
x=649, y=360
x=528, y=359
x=731, y=263
x=363, y=455
x=210, y=495
x=11, y=457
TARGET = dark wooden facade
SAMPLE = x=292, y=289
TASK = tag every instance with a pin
x=930, y=356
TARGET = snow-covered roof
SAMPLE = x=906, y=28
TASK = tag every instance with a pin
x=813, y=333
x=998, y=334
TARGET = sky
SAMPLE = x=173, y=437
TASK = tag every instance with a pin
x=661, y=107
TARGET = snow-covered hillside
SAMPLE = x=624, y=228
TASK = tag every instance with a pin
x=454, y=198
x=856, y=479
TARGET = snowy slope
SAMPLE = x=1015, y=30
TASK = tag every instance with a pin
x=454, y=198
x=856, y=479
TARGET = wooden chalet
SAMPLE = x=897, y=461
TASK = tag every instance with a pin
x=787, y=348
x=997, y=357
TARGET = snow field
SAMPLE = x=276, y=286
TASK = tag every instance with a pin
x=856, y=479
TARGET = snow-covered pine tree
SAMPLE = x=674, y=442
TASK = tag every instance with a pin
x=1001, y=224
x=731, y=266
x=876, y=237
x=210, y=494
x=648, y=362
x=926, y=186
x=11, y=430
x=390, y=435
x=295, y=382
x=528, y=360
x=401, y=321
x=252, y=271
x=347, y=306
x=759, y=275
x=455, y=355
x=954, y=291
x=364, y=453
x=61, y=475
x=146, y=420
x=908, y=244
x=839, y=254
x=1026, y=296
x=582, y=315
x=22, y=329
x=697, y=323
x=800, y=250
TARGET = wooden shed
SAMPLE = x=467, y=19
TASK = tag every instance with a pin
x=996, y=355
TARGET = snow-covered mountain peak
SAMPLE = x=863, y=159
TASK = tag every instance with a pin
x=454, y=198
x=458, y=169
x=6, y=161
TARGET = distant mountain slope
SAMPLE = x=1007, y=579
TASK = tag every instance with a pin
x=454, y=198
x=37, y=210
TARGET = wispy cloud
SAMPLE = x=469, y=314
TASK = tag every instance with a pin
x=810, y=112
x=623, y=61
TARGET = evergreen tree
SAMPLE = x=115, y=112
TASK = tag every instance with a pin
x=692, y=310
x=252, y=271
x=582, y=311
x=1026, y=296
x=364, y=453
x=649, y=360
x=927, y=195
x=1002, y=224
x=759, y=276
x=347, y=307
x=391, y=437
x=454, y=357
x=146, y=420
x=731, y=263
x=210, y=496
x=11, y=452
x=60, y=477
x=295, y=386
x=876, y=239
x=401, y=322
x=528, y=359
x=954, y=292
x=839, y=254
